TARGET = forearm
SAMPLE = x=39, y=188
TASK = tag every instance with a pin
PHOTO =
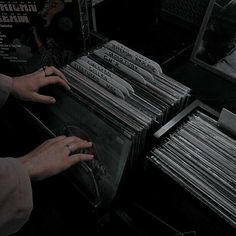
x=15, y=196
x=5, y=88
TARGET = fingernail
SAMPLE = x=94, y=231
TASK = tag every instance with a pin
x=53, y=100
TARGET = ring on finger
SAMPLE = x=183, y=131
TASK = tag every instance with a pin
x=44, y=69
x=69, y=148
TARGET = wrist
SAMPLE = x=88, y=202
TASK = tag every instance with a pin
x=27, y=165
x=6, y=83
x=13, y=87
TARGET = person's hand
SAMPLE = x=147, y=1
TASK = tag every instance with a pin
x=26, y=87
x=54, y=156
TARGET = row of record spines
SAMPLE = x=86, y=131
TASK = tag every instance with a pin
x=173, y=109
x=221, y=173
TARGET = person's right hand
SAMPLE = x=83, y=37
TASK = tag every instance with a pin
x=54, y=156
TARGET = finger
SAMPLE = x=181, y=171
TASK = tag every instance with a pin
x=41, y=71
x=42, y=74
x=36, y=97
x=73, y=139
x=76, y=146
x=73, y=144
x=80, y=157
x=54, y=80
x=53, y=141
x=51, y=70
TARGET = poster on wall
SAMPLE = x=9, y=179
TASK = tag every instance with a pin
x=215, y=48
x=34, y=33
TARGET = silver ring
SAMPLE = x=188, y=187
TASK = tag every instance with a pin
x=69, y=148
x=44, y=69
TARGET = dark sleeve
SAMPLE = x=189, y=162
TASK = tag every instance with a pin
x=15, y=196
x=5, y=88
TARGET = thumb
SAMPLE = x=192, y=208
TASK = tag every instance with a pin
x=43, y=99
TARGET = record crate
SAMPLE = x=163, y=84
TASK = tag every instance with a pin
x=190, y=173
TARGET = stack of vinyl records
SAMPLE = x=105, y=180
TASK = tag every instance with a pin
x=202, y=158
x=130, y=79
x=118, y=99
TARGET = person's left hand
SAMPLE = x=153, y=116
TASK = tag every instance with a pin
x=26, y=87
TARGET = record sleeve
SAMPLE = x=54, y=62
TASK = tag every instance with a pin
x=35, y=33
x=112, y=147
